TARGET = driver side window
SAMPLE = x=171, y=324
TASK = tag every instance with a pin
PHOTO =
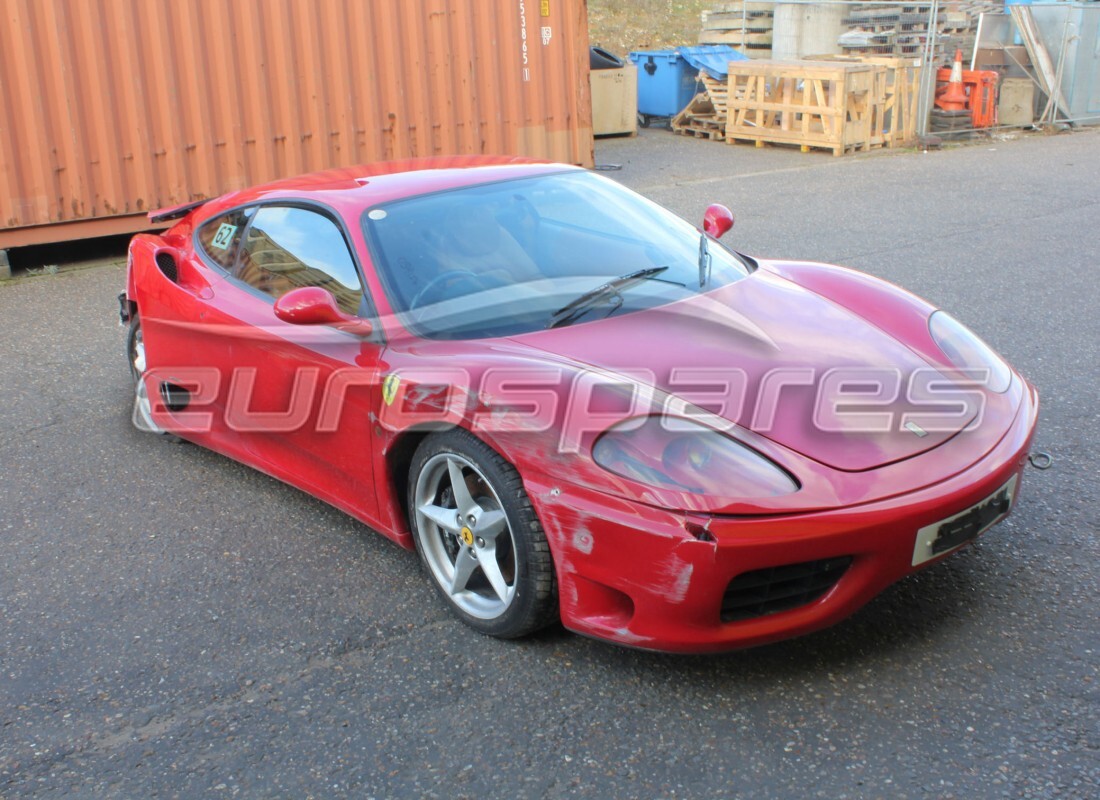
x=287, y=248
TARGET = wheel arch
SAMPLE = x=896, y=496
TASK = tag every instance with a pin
x=398, y=458
x=537, y=603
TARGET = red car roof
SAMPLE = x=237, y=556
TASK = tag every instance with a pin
x=352, y=189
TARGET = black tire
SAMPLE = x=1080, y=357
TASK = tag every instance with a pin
x=519, y=550
x=133, y=341
x=135, y=357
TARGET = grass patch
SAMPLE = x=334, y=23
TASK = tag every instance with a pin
x=621, y=26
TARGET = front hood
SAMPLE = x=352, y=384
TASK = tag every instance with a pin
x=783, y=351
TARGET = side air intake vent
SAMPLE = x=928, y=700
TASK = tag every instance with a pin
x=175, y=397
x=166, y=262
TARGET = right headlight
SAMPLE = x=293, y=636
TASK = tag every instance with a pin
x=676, y=453
x=966, y=351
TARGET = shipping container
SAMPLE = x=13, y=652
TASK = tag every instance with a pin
x=111, y=108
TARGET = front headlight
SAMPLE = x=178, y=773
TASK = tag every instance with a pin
x=686, y=456
x=966, y=351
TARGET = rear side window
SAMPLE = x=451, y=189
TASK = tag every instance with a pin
x=287, y=247
x=220, y=238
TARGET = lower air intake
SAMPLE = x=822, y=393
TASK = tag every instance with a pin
x=769, y=591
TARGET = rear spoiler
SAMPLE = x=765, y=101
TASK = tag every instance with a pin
x=175, y=212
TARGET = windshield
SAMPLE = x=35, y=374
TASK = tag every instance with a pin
x=517, y=256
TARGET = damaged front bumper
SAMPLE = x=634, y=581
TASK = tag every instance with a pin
x=665, y=580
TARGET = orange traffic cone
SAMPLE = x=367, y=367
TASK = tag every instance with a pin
x=954, y=99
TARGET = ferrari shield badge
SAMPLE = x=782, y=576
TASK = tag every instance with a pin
x=389, y=389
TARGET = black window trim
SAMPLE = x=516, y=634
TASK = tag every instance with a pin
x=377, y=335
x=196, y=245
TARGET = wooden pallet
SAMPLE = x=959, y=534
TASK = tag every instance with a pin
x=757, y=21
x=717, y=93
x=703, y=127
x=745, y=26
x=700, y=119
x=763, y=141
x=705, y=115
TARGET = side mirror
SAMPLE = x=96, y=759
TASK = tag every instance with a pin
x=717, y=220
x=312, y=305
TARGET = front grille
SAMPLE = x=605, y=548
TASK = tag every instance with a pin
x=167, y=264
x=768, y=591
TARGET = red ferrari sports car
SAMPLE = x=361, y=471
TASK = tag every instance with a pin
x=572, y=403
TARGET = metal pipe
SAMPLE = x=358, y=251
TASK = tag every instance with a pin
x=927, y=82
x=1052, y=104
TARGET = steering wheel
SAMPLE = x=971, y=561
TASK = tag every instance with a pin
x=440, y=279
x=527, y=208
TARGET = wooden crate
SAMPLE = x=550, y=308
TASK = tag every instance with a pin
x=812, y=105
x=895, y=121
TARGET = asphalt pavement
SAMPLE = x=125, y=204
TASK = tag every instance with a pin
x=173, y=624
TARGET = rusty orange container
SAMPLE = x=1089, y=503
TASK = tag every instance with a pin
x=111, y=108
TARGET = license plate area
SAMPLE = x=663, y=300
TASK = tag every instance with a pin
x=955, y=531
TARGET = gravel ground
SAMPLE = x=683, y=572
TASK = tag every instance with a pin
x=177, y=625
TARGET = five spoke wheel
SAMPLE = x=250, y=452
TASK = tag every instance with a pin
x=478, y=536
x=471, y=550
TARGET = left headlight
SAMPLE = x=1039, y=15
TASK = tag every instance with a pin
x=966, y=351
x=683, y=455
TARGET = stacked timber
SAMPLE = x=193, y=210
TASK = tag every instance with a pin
x=745, y=26
x=902, y=30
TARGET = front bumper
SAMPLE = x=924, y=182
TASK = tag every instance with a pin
x=656, y=579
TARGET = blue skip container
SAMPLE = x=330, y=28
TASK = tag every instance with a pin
x=666, y=78
x=666, y=82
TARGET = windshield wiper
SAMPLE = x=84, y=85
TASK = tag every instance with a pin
x=609, y=291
